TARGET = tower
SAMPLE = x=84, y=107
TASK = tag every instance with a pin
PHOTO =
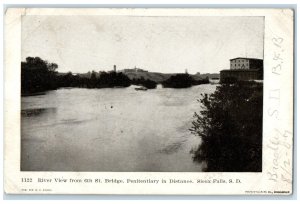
x=115, y=68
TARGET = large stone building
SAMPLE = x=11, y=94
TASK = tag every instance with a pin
x=246, y=63
x=243, y=69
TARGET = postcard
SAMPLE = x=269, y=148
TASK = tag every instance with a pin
x=148, y=101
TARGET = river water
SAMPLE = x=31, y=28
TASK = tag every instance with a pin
x=112, y=129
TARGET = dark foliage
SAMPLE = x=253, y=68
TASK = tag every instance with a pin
x=105, y=80
x=149, y=84
x=183, y=81
x=178, y=81
x=70, y=80
x=111, y=79
x=230, y=126
x=37, y=75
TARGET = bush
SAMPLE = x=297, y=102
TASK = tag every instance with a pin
x=149, y=84
x=178, y=81
x=230, y=126
x=111, y=79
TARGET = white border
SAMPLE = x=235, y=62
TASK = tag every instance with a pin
x=12, y=102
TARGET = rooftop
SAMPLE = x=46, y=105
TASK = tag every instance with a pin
x=240, y=70
x=245, y=58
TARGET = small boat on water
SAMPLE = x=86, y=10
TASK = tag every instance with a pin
x=141, y=88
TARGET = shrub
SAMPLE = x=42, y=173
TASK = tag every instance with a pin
x=149, y=84
x=178, y=81
x=230, y=126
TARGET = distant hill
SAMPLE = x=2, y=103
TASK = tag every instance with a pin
x=160, y=77
x=154, y=76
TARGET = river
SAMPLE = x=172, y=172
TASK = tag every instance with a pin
x=111, y=129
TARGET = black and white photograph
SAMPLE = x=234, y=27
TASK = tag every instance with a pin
x=142, y=93
x=149, y=101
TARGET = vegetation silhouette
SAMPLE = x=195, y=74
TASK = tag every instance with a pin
x=178, y=81
x=104, y=80
x=230, y=126
x=149, y=84
x=183, y=81
x=38, y=75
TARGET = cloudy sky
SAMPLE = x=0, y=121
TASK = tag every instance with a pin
x=160, y=44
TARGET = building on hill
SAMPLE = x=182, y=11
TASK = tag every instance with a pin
x=243, y=69
x=134, y=70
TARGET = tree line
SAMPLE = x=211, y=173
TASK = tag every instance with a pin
x=38, y=75
x=183, y=81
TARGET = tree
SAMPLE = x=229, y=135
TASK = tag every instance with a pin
x=149, y=84
x=52, y=67
x=37, y=75
x=230, y=127
x=178, y=81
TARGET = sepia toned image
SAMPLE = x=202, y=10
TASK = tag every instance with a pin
x=142, y=93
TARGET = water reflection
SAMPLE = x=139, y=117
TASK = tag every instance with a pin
x=36, y=111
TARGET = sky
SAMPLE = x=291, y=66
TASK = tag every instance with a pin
x=159, y=44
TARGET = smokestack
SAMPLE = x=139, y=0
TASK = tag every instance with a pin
x=115, y=68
